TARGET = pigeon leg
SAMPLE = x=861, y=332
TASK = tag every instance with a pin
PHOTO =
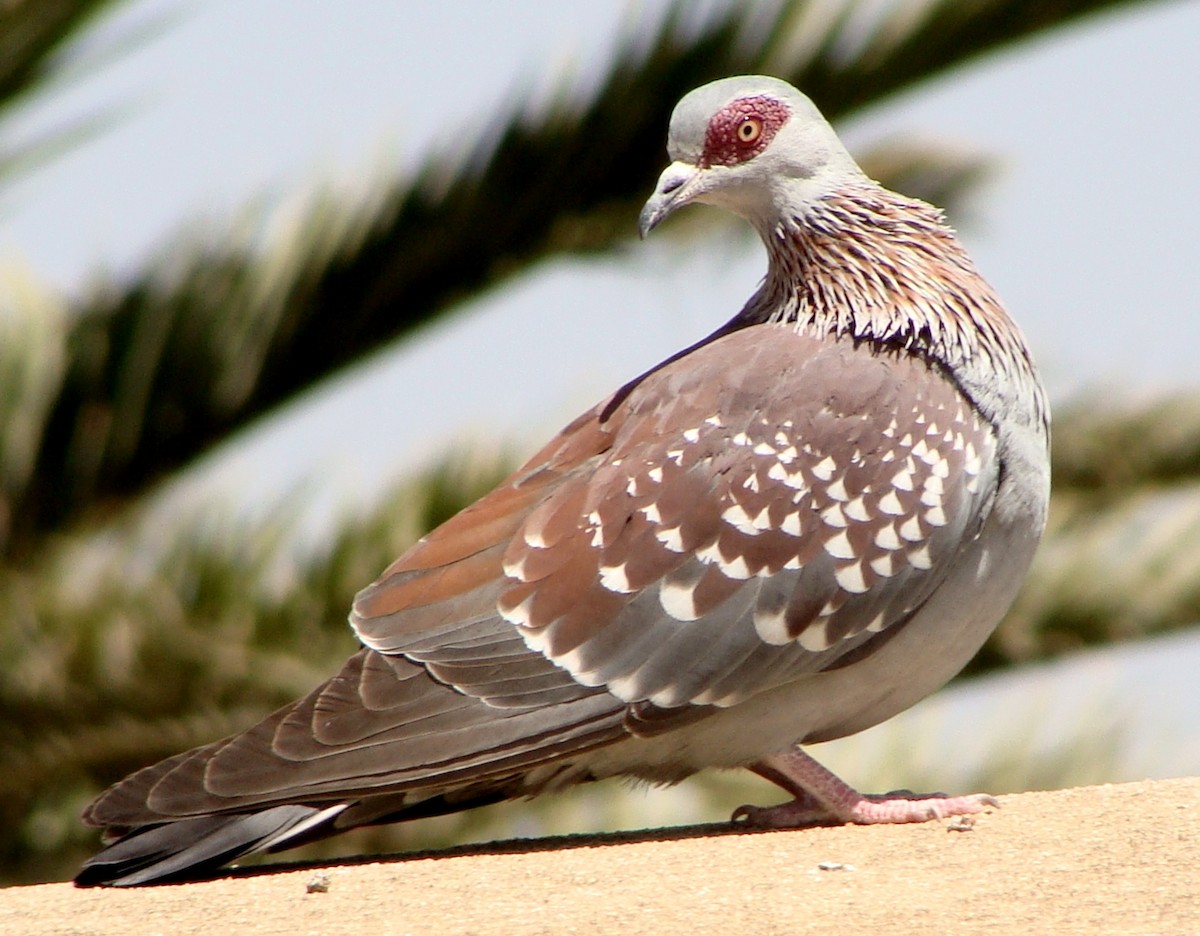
x=822, y=798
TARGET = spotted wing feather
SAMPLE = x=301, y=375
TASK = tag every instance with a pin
x=760, y=514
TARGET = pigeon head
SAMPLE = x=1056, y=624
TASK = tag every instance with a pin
x=752, y=145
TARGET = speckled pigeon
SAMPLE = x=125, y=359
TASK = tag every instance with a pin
x=786, y=533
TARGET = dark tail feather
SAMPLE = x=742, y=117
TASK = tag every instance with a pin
x=188, y=848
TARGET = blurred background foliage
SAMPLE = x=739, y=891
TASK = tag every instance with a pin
x=127, y=634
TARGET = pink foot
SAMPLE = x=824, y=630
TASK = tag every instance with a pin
x=821, y=798
x=868, y=810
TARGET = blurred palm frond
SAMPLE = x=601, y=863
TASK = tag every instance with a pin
x=35, y=36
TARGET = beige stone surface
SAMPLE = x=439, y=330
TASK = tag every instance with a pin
x=1097, y=860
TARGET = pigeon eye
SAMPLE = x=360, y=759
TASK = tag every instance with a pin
x=749, y=130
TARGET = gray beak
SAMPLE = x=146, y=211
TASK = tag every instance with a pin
x=677, y=186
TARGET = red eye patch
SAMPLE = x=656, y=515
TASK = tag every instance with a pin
x=742, y=130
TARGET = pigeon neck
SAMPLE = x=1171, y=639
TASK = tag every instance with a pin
x=875, y=266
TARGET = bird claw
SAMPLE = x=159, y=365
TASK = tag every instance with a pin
x=792, y=815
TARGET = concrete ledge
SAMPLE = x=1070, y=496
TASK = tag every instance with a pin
x=1096, y=860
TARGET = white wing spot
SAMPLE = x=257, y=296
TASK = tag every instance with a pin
x=857, y=510
x=919, y=558
x=972, y=464
x=534, y=538
x=833, y=516
x=736, y=568
x=935, y=516
x=877, y=623
x=596, y=524
x=691, y=435
x=886, y=538
x=737, y=517
x=651, y=513
x=815, y=637
x=678, y=601
x=910, y=529
x=839, y=546
x=615, y=579
x=890, y=504
x=764, y=448
x=772, y=627
x=851, y=578
x=823, y=469
x=884, y=565
x=837, y=490
x=671, y=537
x=791, y=524
x=902, y=480
x=656, y=474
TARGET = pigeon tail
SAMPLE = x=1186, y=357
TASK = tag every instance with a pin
x=188, y=848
